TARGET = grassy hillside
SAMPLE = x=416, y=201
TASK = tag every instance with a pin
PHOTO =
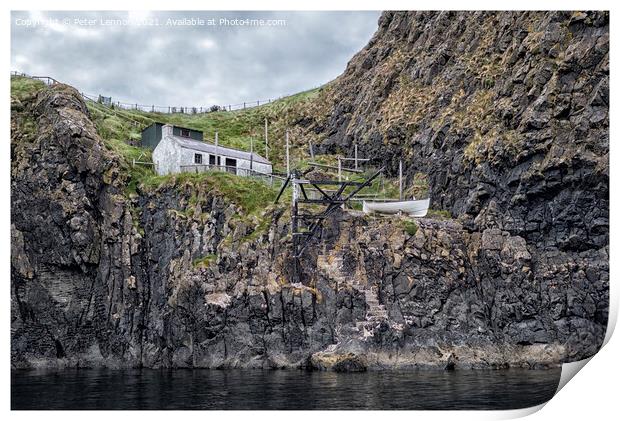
x=23, y=87
x=236, y=128
x=120, y=129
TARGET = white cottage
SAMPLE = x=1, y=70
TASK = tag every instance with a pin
x=175, y=154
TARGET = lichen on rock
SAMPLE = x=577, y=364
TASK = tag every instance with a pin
x=507, y=114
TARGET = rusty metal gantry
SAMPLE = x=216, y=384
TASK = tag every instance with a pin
x=314, y=221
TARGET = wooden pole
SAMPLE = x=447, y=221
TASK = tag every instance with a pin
x=383, y=185
x=356, y=156
x=288, y=165
x=217, y=158
x=251, y=153
x=266, y=141
x=311, y=151
x=295, y=225
x=400, y=179
x=339, y=169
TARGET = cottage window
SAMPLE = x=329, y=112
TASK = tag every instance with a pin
x=197, y=158
x=231, y=165
x=185, y=132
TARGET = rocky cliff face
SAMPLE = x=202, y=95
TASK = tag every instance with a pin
x=506, y=112
x=181, y=276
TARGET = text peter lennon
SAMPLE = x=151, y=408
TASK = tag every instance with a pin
x=153, y=22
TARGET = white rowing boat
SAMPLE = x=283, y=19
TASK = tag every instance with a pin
x=416, y=208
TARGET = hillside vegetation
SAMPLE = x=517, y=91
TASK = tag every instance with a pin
x=236, y=129
x=120, y=129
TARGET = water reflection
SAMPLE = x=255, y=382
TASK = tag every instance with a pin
x=285, y=389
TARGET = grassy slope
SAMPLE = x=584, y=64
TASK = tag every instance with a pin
x=236, y=128
x=121, y=128
x=116, y=127
x=22, y=87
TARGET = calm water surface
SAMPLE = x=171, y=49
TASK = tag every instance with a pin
x=285, y=389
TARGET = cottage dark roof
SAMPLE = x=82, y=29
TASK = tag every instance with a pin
x=157, y=123
x=188, y=143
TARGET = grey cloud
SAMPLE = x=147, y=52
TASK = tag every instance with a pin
x=191, y=65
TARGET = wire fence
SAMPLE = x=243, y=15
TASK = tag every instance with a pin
x=163, y=109
x=273, y=179
x=169, y=109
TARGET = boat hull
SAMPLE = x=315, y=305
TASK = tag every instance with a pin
x=417, y=208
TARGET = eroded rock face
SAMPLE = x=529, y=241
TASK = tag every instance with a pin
x=507, y=113
x=174, y=278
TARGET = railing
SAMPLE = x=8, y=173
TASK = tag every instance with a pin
x=163, y=109
x=242, y=172
x=169, y=109
x=196, y=168
x=49, y=81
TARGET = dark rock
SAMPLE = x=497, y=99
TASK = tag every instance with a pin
x=521, y=277
x=350, y=364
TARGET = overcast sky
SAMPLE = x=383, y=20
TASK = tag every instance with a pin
x=160, y=58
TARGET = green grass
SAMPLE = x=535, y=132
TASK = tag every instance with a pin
x=438, y=214
x=204, y=261
x=120, y=129
x=236, y=129
x=252, y=196
x=410, y=226
x=117, y=131
x=23, y=87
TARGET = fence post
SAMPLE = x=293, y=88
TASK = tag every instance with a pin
x=266, y=141
x=356, y=156
x=288, y=166
x=251, y=153
x=400, y=179
x=339, y=169
x=217, y=158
